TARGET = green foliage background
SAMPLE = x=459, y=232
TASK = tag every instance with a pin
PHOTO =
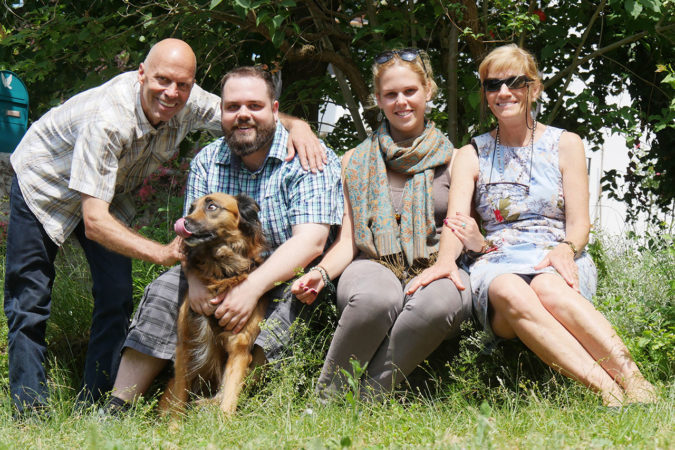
x=612, y=46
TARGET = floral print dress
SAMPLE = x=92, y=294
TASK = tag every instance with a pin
x=519, y=198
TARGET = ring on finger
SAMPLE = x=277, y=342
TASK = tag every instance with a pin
x=463, y=225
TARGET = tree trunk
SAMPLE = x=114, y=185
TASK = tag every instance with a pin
x=451, y=82
x=299, y=71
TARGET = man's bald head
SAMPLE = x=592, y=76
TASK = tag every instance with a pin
x=166, y=77
x=174, y=51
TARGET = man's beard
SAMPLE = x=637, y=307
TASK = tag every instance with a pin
x=242, y=147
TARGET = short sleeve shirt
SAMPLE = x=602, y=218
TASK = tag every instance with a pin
x=286, y=193
x=100, y=143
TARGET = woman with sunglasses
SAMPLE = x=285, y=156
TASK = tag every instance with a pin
x=532, y=279
x=396, y=185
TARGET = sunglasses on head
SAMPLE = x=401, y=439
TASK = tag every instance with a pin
x=495, y=84
x=406, y=54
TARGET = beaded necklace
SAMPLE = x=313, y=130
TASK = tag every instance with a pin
x=502, y=167
x=500, y=160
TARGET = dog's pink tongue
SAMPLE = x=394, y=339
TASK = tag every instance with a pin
x=179, y=228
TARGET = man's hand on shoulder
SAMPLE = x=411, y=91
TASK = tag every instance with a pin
x=301, y=139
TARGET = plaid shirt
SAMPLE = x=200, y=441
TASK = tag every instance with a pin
x=101, y=144
x=286, y=193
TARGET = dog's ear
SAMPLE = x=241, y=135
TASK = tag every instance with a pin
x=250, y=226
x=249, y=222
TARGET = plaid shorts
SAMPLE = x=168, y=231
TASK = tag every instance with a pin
x=153, y=329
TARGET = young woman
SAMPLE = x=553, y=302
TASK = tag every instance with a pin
x=396, y=184
x=529, y=186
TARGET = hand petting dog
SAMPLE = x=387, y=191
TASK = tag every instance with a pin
x=234, y=310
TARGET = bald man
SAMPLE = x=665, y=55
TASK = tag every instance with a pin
x=76, y=168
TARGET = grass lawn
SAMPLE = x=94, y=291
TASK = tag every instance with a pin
x=572, y=420
x=463, y=397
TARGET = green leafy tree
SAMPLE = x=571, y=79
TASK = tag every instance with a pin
x=611, y=46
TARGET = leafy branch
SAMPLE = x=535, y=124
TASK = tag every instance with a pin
x=570, y=75
x=608, y=48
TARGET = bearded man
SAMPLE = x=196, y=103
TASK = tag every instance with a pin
x=297, y=209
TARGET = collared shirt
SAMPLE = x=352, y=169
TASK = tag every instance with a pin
x=286, y=193
x=100, y=143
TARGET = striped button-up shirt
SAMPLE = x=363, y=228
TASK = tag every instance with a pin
x=287, y=194
x=100, y=143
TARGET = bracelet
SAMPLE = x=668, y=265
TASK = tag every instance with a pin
x=324, y=274
x=322, y=271
x=573, y=247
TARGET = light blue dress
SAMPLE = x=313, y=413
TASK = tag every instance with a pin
x=525, y=220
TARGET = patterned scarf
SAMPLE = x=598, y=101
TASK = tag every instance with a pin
x=375, y=229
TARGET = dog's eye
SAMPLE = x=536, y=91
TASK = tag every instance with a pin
x=211, y=206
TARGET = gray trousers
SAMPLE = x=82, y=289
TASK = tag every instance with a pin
x=390, y=331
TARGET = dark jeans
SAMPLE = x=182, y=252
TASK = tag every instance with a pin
x=29, y=276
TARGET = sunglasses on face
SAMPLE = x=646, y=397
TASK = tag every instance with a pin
x=495, y=84
x=406, y=54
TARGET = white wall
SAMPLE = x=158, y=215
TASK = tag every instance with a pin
x=609, y=215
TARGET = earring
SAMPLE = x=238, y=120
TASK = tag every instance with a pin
x=379, y=116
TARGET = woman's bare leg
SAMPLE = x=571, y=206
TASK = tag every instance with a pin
x=519, y=312
x=594, y=333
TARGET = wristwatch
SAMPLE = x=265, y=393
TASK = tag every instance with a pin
x=486, y=248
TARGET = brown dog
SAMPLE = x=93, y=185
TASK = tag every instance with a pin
x=224, y=242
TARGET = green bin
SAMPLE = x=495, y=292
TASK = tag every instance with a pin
x=13, y=110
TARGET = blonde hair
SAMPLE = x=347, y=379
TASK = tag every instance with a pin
x=511, y=58
x=420, y=65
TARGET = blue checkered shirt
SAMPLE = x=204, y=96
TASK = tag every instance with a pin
x=287, y=194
